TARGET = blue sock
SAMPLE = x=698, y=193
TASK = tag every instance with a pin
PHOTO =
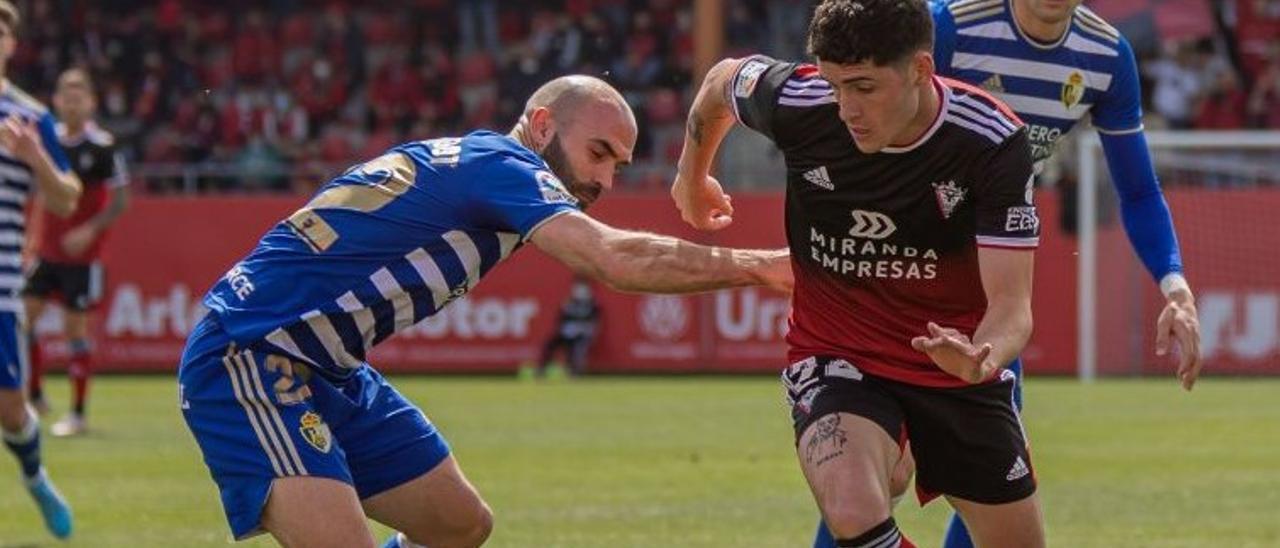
x=823, y=538
x=26, y=446
x=398, y=540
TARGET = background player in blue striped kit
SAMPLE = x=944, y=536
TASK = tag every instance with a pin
x=1053, y=62
x=30, y=159
x=302, y=436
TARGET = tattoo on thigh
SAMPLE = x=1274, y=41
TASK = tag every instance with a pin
x=827, y=441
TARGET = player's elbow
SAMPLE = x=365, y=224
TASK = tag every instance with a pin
x=1023, y=323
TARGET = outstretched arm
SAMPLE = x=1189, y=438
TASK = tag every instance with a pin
x=1149, y=225
x=1118, y=117
x=643, y=262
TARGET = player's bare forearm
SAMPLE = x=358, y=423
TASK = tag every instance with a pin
x=641, y=262
x=710, y=118
x=61, y=190
x=1006, y=327
x=661, y=264
x=119, y=202
x=1006, y=280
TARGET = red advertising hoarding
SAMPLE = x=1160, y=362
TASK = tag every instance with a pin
x=165, y=252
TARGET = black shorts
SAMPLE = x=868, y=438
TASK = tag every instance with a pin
x=968, y=442
x=79, y=285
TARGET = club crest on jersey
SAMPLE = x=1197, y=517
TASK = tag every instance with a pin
x=1073, y=90
x=316, y=432
x=949, y=197
x=993, y=84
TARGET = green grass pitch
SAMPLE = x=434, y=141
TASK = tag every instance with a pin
x=701, y=461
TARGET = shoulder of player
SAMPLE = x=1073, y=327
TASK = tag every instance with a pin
x=499, y=150
x=1094, y=26
x=969, y=12
x=805, y=89
x=16, y=96
x=977, y=112
x=99, y=136
x=93, y=134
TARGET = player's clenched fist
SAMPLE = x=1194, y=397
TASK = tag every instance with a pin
x=954, y=353
x=703, y=204
x=21, y=137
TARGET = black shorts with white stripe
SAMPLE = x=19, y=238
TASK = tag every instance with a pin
x=79, y=286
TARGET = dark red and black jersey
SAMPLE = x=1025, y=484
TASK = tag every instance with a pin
x=94, y=158
x=884, y=243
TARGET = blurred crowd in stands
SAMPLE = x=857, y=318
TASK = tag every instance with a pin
x=286, y=91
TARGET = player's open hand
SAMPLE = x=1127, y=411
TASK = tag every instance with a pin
x=1179, y=322
x=20, y=137
x=954, y=353
x=703, y=204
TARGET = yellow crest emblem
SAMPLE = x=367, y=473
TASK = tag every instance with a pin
x=316, y=432
x=1073, y=90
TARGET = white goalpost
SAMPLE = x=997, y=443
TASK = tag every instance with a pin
x=1229, y=176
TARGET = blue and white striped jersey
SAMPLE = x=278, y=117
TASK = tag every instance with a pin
x=1090, y=69
x=16, y=184
x=385, y=245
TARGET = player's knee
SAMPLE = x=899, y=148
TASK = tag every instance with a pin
x=900, y=479
x=465, y=529
x=850, y=520
x=483, y=525
x=13, y=413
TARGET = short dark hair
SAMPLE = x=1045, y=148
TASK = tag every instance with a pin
x=881, y=31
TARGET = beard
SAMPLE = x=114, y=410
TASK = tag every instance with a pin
x=558, y=161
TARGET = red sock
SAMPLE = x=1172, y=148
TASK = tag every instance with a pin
x=904, y=543
x=35, y=384
x=81, y=366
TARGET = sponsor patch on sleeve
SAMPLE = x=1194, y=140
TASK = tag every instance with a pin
x=554, y=191
x=748, y=77
x=1022, y=219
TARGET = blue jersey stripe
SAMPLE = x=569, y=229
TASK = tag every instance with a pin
x=309, y=344
x=391, y=242
x=384, y=318
x=345, y=325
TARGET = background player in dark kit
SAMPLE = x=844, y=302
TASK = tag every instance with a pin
x=68, y=264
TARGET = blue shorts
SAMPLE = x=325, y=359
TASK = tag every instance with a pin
x=257, y=416
x=13, y=351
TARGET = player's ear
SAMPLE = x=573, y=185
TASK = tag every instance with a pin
x=542, y=127
x=923, y=63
